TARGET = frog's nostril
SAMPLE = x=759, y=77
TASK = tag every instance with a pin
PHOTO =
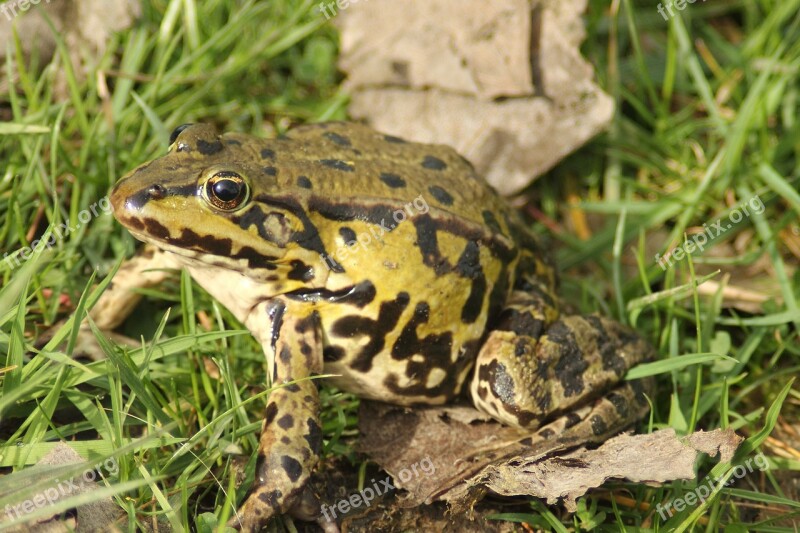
x=156, y=192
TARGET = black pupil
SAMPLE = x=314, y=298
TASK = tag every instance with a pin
x=227, y=190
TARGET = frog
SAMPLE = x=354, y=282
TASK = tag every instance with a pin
x=389, y=266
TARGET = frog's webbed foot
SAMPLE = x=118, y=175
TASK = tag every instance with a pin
x=291, y=439
x=534, y=367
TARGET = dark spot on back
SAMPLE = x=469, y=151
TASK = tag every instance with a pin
x=392, y=180
x=270, y=171
x=433, y=163
x=338, y=164
x=304, y=182
x=341, y=140
x=393, y=139
x=266, y=153
x=441, y=195
x=209, y=148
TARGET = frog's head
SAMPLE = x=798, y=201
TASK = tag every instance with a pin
x=210, y=198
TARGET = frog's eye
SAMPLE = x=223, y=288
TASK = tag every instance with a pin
x=177, y=131
x=226, y=191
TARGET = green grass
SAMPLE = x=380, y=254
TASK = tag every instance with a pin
x=707, y=118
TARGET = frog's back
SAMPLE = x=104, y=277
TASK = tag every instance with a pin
x=435, y=246
x=339, y=160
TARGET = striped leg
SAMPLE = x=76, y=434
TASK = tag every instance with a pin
x=290, y=440
x=534, y=368
x=149, y=267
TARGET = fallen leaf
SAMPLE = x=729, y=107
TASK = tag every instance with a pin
x=471, y=455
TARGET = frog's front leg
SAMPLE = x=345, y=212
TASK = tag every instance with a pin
x=291, y=438
x=535, y=367
x=149, y=267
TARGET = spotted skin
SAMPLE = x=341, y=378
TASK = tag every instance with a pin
x=291, y=439
x=389, y=264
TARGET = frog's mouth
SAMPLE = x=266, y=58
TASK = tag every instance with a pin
x=173, y=222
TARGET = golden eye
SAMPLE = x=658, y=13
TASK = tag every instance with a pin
x=226, y=190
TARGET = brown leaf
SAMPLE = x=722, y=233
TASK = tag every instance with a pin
x=470, y=454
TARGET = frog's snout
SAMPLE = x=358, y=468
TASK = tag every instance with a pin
x=126, y=201
x=117, y=198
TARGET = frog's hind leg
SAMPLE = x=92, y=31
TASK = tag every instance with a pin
x=291, y=438
x=534, y=367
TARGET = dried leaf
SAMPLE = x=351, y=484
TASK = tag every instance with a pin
x=472, y=455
